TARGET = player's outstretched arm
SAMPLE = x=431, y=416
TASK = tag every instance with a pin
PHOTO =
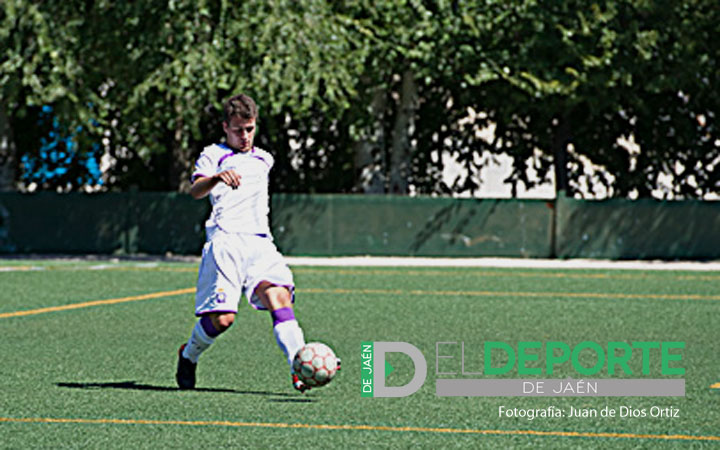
x=203, y=185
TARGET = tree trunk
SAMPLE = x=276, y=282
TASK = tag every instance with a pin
x=400, y=151
x=180, y=164
x=369, y=153
x=560, y=142
x=8, y=154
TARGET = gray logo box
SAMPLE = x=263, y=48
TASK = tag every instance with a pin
x=557, y=387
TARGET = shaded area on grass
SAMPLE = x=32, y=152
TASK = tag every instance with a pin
x=133, y=385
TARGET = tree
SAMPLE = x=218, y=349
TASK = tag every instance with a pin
x=364, y=96
x=295, y=58
x=579, y=78
x=36, y=69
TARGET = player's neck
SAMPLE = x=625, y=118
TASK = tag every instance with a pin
x=237, y=150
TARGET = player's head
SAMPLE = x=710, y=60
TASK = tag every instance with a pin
x=239, y=117
x=241, y=106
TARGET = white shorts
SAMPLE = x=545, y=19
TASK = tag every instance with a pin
x=234, y=264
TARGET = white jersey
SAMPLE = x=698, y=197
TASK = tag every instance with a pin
x=241, y=210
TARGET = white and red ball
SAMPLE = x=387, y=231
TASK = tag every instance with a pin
x=315, y=364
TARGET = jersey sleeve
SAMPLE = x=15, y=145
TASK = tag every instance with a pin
x=205, y=166
x=266, y=157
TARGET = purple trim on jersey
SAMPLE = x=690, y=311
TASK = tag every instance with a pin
x=223, y=158
x=260, y=158
x=195, y=176
x=282, y=315
x=208, y=327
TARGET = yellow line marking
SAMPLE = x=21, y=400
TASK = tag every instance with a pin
x=111, y=301
x=361, y=428
x=396, y=292
x=147, y=269
x=16, y=268
x=450, y=271
x=513, y=294
x=97, y=268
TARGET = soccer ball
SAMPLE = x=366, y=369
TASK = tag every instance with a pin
x=315, y=364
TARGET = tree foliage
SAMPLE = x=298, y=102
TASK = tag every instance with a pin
x=35, y=70
x=591, y=76
x=375, y=96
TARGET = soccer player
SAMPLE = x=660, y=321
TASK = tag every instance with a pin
x=239, y=255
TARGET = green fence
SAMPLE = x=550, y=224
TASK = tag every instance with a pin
x=334, y=225
x=640, y=229
x=109, y=223
x=393, y=225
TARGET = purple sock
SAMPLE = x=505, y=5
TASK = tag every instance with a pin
x=282, y=315
x=208, y=327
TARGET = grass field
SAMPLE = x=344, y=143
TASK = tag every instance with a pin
x=89, y=354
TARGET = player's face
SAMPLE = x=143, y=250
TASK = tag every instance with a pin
x=240, y=133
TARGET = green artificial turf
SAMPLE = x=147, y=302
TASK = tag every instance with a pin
x=102, y=375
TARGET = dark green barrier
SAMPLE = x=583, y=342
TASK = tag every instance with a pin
x=393, y=225
x=158, y=223
x=50, y=223
x=168, y=222
x=640, y=229
x=108, y=223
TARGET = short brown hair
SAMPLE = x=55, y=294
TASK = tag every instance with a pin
x=240, y=105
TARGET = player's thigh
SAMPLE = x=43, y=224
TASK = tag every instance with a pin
x=220, y=278
x=269, y=283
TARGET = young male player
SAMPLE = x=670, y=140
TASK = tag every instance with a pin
x=239, y=255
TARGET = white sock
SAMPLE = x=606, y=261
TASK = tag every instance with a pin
x=289, y=337
x=199, y=342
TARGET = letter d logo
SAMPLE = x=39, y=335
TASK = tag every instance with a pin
x=379, y=365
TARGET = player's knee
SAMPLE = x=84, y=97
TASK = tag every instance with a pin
x=274, y=297
x=226, y=320
x=223, y=321
x=282, y=298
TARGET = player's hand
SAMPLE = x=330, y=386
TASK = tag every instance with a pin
x=229, y=177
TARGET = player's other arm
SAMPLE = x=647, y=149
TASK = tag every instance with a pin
x=202, y=186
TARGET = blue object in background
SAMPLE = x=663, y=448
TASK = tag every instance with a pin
x=58, y=155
